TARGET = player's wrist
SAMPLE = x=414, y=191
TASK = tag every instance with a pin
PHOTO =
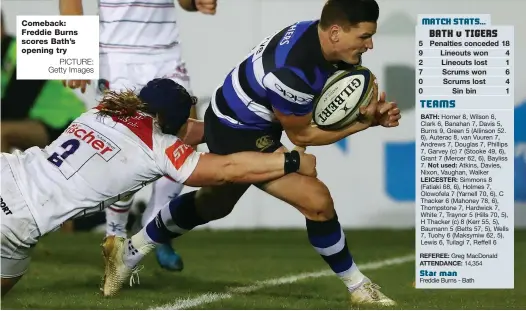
x=365, y=120
x=292, y=162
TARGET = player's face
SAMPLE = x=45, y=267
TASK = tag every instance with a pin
x=355, y=41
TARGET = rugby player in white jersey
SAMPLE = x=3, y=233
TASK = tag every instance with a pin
x=139, y=41
x=111, y=151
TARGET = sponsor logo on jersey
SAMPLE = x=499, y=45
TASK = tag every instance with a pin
x=178, y=153
x=291, y=95
x=5, y=208
x=98, y=142
x=274, y=84
x=288, y=34
x=264, y=142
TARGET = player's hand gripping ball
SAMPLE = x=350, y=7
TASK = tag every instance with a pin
x=344, y=93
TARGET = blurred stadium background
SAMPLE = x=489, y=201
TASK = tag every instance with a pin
x=371, y=176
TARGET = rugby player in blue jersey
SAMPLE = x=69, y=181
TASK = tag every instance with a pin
x=272, y=91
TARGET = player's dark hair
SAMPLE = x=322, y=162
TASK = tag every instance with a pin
x=348, y=12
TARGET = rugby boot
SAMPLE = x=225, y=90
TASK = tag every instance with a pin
x=167, y=258
x=368, y=293
x=115, y=270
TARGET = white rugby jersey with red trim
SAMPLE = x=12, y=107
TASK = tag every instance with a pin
x=97, y=161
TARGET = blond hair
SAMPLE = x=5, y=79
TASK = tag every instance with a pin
x=124, y=103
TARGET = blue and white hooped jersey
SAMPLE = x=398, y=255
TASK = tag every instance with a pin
x=284, y=72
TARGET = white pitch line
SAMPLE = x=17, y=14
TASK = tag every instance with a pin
x=187, y=303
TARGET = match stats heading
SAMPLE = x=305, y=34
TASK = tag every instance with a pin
x=464, y=152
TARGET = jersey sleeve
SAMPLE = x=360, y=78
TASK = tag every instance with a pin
x=288, y=92
x=176, y=159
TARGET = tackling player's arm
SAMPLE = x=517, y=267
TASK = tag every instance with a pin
x=246, y=167
x=184, y=165
x=291, y=98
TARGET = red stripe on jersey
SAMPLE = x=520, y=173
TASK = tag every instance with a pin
x=140, y=125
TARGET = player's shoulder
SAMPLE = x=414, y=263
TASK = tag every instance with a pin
x=291, y=32
x=139, y=128
x=295, y=43
x=280, y=43
x=297, y=52
x=172, y=150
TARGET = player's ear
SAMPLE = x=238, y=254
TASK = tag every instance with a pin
x=334, y=33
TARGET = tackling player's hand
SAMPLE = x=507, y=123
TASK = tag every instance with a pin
x=307, y=163
x=388, y=113
x=75, y=84
x=206, y=6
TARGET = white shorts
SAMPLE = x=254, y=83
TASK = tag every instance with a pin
x=19, y=229
x=119, y=76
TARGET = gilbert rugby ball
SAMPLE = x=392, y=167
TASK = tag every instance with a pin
x=339, y=102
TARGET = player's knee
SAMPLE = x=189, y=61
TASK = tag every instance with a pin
x=317, y=203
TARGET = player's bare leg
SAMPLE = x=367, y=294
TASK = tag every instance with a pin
x=312, y=198
x=309, y=195
x=8, y=284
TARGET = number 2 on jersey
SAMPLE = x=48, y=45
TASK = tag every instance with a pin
x=70, y=146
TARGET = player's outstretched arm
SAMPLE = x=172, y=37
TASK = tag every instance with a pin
x=249, y=167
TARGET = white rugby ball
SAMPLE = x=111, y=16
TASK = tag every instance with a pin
x=343, y=94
